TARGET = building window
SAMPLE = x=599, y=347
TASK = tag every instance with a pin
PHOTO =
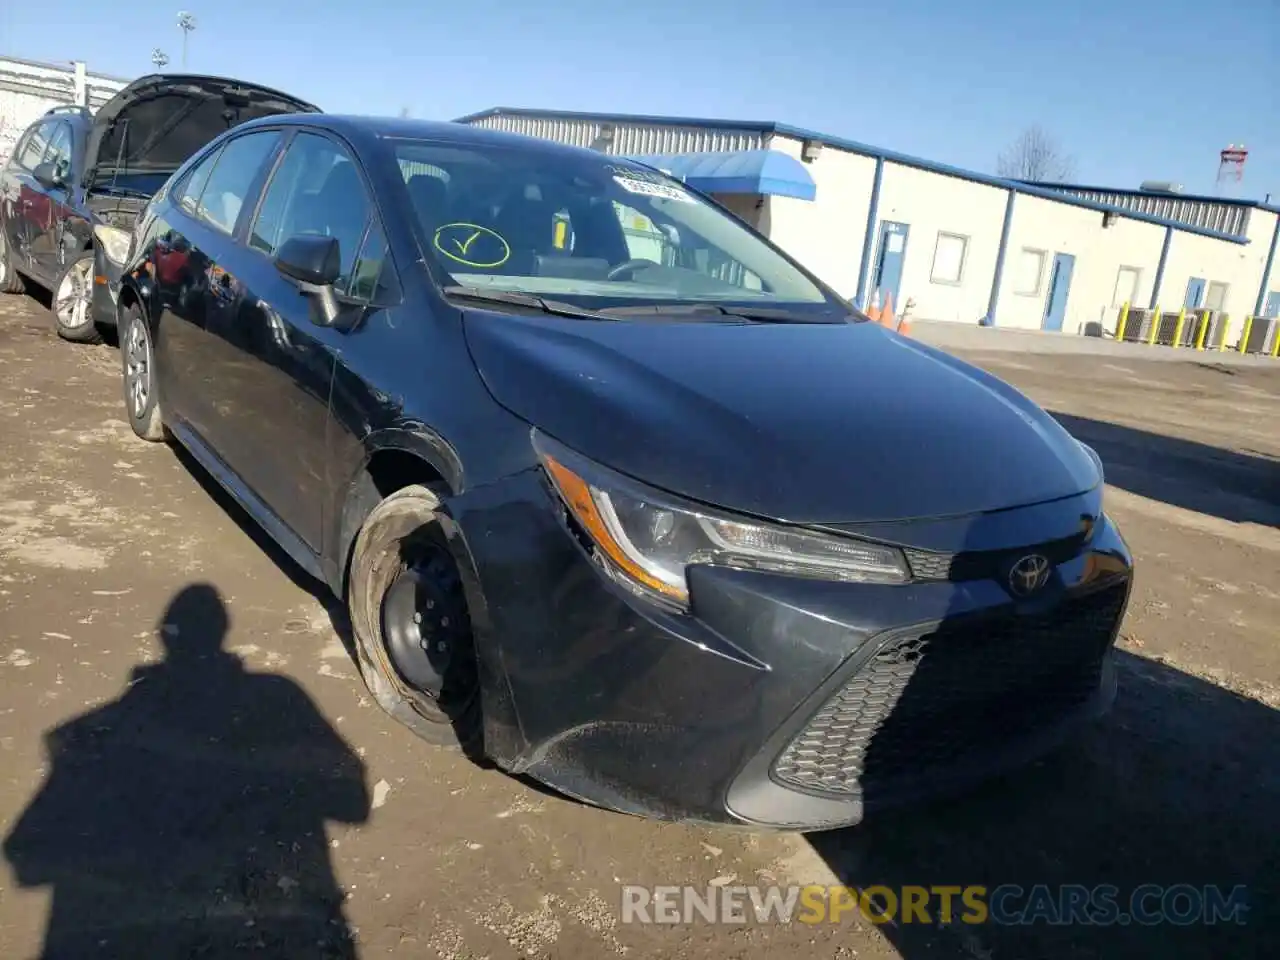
x=948, y=258
x=1126, y=290
x=1216, y=296
x=1029, y=272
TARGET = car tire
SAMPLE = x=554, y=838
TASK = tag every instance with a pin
x=72, y=305
x=10, y=282
x=421, y=666
x=138, y=376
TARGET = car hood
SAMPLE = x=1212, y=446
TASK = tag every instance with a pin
x=810, y=423
x=162, y=119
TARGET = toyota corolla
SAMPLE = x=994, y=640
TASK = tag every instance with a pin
x=616, y=492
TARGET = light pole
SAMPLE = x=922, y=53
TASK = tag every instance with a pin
x=186, y=23
x=159, y=58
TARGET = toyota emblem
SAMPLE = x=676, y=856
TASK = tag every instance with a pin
x=1028, y=575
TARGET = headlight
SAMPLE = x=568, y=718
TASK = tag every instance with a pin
x=648, y=539
x=116, y=243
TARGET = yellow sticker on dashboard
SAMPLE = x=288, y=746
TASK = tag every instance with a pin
x=472, y=245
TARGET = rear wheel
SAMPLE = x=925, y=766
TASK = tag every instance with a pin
x=409, y=616
x=73, y=301
x=138, y=376
x=10, y=282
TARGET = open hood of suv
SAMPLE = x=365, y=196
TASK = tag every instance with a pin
x=153, y=125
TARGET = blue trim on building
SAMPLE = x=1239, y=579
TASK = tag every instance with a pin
x=868, y=241
x=742, y=171
x=1160, y=194
x=1164, y=257
x=1266, y=271
x=854, y=146
x=994, y=301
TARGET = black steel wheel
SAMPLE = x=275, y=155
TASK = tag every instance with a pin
x=409, y=615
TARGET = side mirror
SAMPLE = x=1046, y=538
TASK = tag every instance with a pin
x=48, y=175
x=314, y=264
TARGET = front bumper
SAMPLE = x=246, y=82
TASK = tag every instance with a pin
x=779, y=701
x=106, y=288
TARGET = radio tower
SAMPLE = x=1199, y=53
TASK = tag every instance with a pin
x=1231, y=165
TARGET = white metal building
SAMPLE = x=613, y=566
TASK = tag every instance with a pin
x=28, y=89
x=964, y=246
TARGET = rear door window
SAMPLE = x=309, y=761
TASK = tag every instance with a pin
x=33, y=148
x=187, y=196
x=228, y=186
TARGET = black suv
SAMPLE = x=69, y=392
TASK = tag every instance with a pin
x=615, y=491
x=74, y=175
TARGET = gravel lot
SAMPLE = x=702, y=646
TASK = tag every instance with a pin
x=348, y=837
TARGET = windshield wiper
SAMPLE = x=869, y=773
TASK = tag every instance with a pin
x=755, y=314
x=511, y=298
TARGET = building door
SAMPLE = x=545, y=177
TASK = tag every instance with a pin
x=1055, y=307
x=1195, y=293
x=1272, y=308
x=893, y=251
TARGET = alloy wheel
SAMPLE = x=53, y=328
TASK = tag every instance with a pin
x=4, y=258
x=72, y=303
x=138, y=368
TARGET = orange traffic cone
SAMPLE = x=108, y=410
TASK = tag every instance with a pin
x=886, y=315
x=873, y=311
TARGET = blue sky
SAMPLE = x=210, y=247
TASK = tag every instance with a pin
x=1122, y=85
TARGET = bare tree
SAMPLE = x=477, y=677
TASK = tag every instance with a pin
x=1035, y=155
x=404, y=111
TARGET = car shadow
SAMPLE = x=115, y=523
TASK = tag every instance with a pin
x=1241, y=487
x=1179, y=785
x=186, y=818
x=333, y=607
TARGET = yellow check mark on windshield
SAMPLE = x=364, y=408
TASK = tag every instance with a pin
x=464, y=247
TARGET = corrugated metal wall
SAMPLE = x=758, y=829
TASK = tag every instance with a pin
x=629, y=138
x=1224, y=217
x=28, y=89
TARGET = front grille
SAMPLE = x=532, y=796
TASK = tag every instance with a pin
x=987, y=564
x=961, y=691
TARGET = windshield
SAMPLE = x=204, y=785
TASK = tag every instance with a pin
x=594, y=231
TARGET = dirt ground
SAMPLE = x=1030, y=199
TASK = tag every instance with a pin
x=353, y=838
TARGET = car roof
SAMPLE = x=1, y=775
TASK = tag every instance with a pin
x=356, y=127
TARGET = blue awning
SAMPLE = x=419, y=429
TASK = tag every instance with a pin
x=739, y=171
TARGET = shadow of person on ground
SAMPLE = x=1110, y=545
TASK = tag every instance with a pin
x=1179, y=785
x=187, y=817
x=1241, y=487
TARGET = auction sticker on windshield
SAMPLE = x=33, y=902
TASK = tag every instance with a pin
x=651, y=188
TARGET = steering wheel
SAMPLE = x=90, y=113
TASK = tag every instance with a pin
x=628, y=266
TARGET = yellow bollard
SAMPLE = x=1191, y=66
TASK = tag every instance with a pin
x=1244, y=337
x=1123, y=321
x=1226, y=327
x=1177, y=331
x=1204, y=330
x=1155, y=325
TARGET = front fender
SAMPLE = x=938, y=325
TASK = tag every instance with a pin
x=358, y=496
x=355, y=495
